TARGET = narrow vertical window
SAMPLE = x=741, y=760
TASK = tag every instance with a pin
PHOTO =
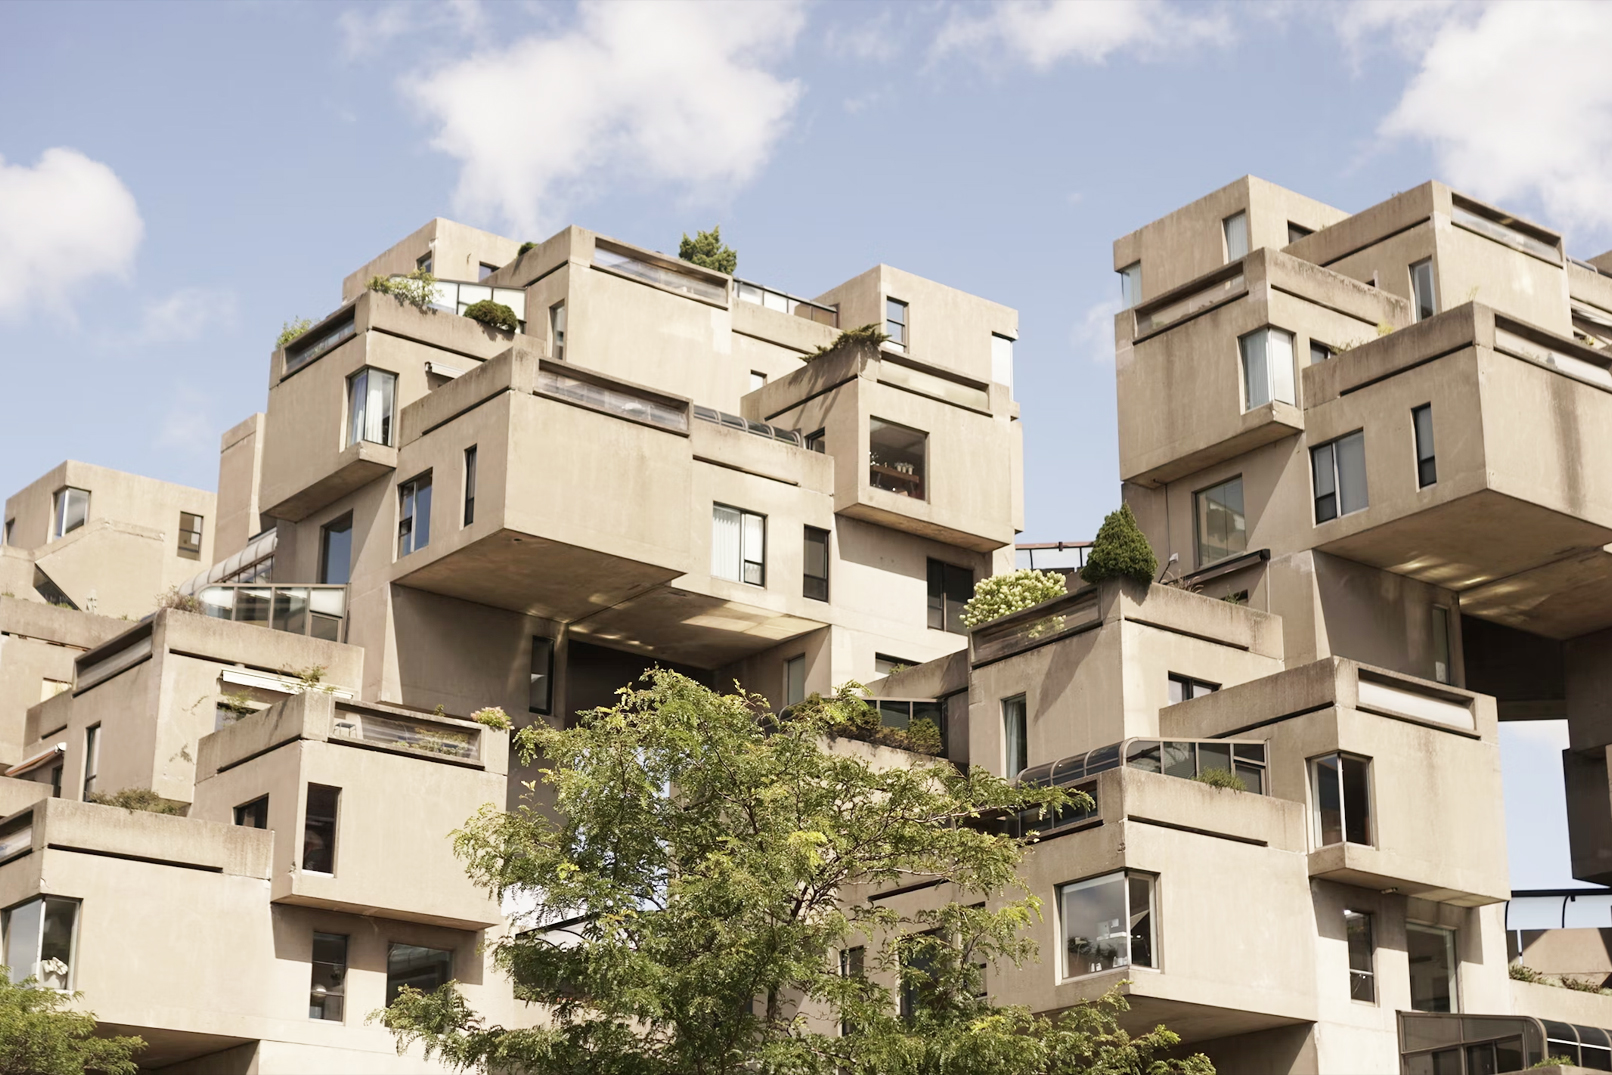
x=190, y=535
x=336, y=551
x=425, y=969
x=1015, y=736
x=1426, y=467
x=1235, y=228
x=371, y=396
x=5, y=538
x=1267, y=367
x=950, y=587
x=1107, y=922
x=852, y=963
x=1002, y=359
x=895, y=323
x=319, y=829
x=327, y=988
x=540, y=688
x=92, y=758
x=1130, y=284
x=738, y=545
x=1221, y=524
x=470, y=485
x=896, y=458
x=1441, y=644
x=414, y=514
x=1423, y=298
x=253, y=815
x=1431, y=953
x=814, y=582
x=72, y=510
x=56, y=782
x=1340, y=789
x=557, y=329
x=795, y=680
x=1338, y=470
x=1362, y=954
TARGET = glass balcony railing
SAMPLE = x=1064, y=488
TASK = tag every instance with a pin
x=421, y=736
x=745, y=291
x=315, y=611
x=455, y=296
x=1513, y=237
x=610, y=400
x=305, y=349
x=666, y=276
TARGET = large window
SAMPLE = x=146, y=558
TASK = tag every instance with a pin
x=470, y=486
x=896, y=458
x=1426, y=465
x=190, y=535
x=371, y=395
x=92, y=759
x=895, y=322
x=414, y=514
x=1002, y=359
x=950, y=587
x=253, y=815
x=1107, y=922
x=336, y=551
x=1431, y=953
x=814, y=582
x=1130, y=284
x=1340, y=786
x=795, y=680
x=1015, y=736
x=738, y=545
x=540, y=688
x=557, y=327
x=1338, y=470
x=1235, y=229
x=1267, y=367
x=1222, y=526
x=71, y=511
x=1362, y=956
x=327, y=988
x=319, y=829
x=40, y=937
x=425, y=969
x=1425, y=300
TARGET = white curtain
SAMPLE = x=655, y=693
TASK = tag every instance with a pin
x=725, y=543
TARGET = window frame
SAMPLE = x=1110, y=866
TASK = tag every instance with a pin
x=1240, y=218
x=484, y=270
x=1321, y=352
x=1419, y=301
x=391, y=946
x=61, y=503
x=1130, y=285
x=901, y=339
x=92, y=759
x=358, y=400
x=189, y=550
x=877, y=425
x=1443, y=645
x=1332, y=448
x=1198, y=520
x=1426, y=452
x=817, y=441
x=1272, y=382
x=944, y=594
x=745, y=562
x=341, y=524
x=1452, y=950
x=254, y=807
x=409, y=512
x=1188, y=688
x=425, y=261
x=1366, y=976
x=469, y=516
x=1295, y=232
x=794, y=671
x=814, y=536
x=44, y=899
x=557, y=330
x=307, y=824
x=1002, y=358
x=1015, y=710
x=547, y=675
x=340, y=992
x=1318, y=780
x=1125, y=878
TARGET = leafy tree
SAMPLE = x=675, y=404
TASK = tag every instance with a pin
x=997, y=595
x=1120, y=551
x=706, y=250
x=40, y=1035
x=417, y=289
x=711, y=861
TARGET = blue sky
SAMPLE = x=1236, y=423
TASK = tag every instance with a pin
x=178, y=180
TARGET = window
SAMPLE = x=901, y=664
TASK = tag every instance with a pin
x=852, y=965
x=540, y=689
x=253, y=815
x=1431, y=953
x=1130, y=284
x=1441, y=644
x=896, y=458
x=319, y=829
x=1002, y=359
x=1339, y=473
x=895, y=322
x=1235, y=228
x=336, y=551
x=1362, y=978
x=190, y=535
x=327, y=987
x=424, y=262
x=557, y=328
x=1319, y=352
x=371, y=394
x=901, y=713
x=1422, y=295
x=795, y=680
x=918, y=971
x=814, y=581
x=5, y=538
x=1341, y=787
x=470, y=485
x=950, y=587
x=485, y=270
x=1184, y=689
x=1426, y=468
x=425, y=969
x=757, y=379
x=1267, y=367
x=1222, y=526
x=817, y=441
x=414, y=514
x=1015, y=736
x=39, y=940
x=738, y=545
x=92, y=758
x=56, y=782
x=71, y=511
x=884, y=664
x=1295, y=232
x=1107, y=922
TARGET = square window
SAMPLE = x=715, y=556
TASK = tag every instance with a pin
x=1295, y=232
x=1319, y=352
x=1107, y=922
x=1221, y=523
x=71, y=511
x=896, y=458
x=738, y=545
x=40, y=938
x=1338, y=470
x=253, y=815
x=425, y=969
x=817, y=441
x=485, y=270
x=757, y=379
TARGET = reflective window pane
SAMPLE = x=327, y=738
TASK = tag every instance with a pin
x=1431, y=953
x=1093, y=921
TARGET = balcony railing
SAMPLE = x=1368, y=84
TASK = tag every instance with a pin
x=760, y=429
x=419, y=736
x=666, y=276
x=315, y=611
x=455, y=296
x=745, y=291
x=612, y=400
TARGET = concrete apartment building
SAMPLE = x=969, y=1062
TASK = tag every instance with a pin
x=1353, y=441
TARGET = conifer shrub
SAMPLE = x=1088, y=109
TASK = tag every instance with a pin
x=706, y=250
x=1120, y=551
x=493, y=313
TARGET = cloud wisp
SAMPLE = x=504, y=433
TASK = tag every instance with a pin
x=1042, y=33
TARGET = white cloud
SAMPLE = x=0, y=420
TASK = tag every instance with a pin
x=1516, y=103
x=1044, y=32
x=186, y=314
x=1404, y=27
x=64, y=221
x=1093, y=334
x=367, y=30
x=634, y=92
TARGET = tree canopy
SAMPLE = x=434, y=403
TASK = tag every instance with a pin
x=702, y=875
x=40, y=1035
x=706, y=250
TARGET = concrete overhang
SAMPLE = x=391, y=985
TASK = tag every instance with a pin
x=356, y=466
x=1383, y=871
x=688, y=627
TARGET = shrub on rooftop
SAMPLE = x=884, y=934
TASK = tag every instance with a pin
x=707, y=251
x=418, y=289
x=290, y=330
x=493, y=313
x=1120, y=551
x=998, y=595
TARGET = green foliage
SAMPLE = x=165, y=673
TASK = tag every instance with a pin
x=237, y=702
x=1120, y=551
x=41, y=1035
x=311, y=678
x=290, y=330
x=711, y=860
x=1580, y=985
x=184, y=602
x=998, y=595
x=493, y=313
x=1221, y=778
x=848, y=714
x=707, y=251
x=869, y=334
x=417, y=289
x=132, y=799
x=1523, y=973
x=528, y=245
x=1553, y=1062
x=494, y=717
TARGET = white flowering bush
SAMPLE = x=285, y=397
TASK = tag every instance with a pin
x=1001, y=594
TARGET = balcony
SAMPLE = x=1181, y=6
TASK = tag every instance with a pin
x=1517, y=517
x=755, y=294
x=317, y=611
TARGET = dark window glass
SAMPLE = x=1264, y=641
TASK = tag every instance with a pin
x=56, y=782
x=253, y=815
x=896, y=458
x=423, y=262
x=815, y=582
x=414, y=514
x=1426, y=468
x=470, y=485
x=425, y=969
x=852, y=961
x=92, y=758
x=1328, y=801
x=1140, y=914
x=917, y=973
x=336, y=551
x=1319, y=352
x=319, y=829
x=817, y=441
x=1356, y=800
x=1362, y=977
x=327, y=988
x=950, y=587
x=540, y=692
x=1295, y=232
x=1184, y=688
x=1015, y=736
x=1422, y=288
x=1431, y=953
